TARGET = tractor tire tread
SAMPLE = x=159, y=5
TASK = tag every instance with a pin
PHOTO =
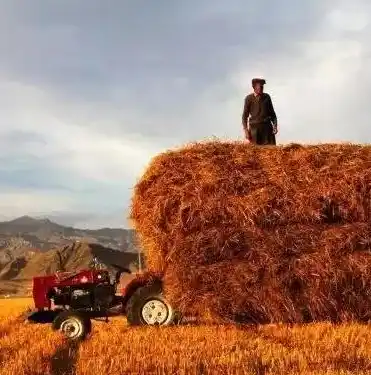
x=86, y=322
x=137, y=300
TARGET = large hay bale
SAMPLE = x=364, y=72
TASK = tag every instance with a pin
x=329, y=278
x=244, y=230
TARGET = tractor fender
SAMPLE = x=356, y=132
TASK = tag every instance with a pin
x=140, y=280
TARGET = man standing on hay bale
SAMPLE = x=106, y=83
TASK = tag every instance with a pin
x=259, y=119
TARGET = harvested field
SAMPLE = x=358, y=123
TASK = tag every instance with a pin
x=261, y=235
x=117, y=349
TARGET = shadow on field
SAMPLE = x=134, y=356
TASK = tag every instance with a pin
x=64, y=359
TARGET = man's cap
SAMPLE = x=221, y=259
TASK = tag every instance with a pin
x=258, y=80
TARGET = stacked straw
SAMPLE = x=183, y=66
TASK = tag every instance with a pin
x=260, y=234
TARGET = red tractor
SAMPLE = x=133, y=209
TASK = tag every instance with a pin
x=70, y=300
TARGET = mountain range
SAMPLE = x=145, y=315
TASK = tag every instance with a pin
x=30, y=247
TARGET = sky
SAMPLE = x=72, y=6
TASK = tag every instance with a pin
x=90, y=91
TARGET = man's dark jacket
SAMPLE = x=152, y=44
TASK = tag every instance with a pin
x=259, y=113
x=259, y=108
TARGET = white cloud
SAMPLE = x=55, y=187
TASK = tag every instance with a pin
x=56, y=133
x=19, y=202
x=350, y=17
x=70, y=141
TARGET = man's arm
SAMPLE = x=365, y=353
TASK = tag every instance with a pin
x=272, y=111
x=273, y=115
x=245, y=118
x=246, y=113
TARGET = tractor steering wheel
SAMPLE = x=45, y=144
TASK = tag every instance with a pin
x=119, y=272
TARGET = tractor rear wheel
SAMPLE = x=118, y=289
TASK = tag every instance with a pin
x=147, y=306
x=74, y=325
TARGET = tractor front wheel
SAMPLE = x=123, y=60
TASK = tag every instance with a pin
x=74, y=325
x=147, y=306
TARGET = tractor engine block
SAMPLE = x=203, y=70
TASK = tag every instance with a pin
x=103, y=296
x=89, y=297
x=80, y=299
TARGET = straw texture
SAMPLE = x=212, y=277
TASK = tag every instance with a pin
x=260, y=234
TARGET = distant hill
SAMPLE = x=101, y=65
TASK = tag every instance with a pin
x=16, y=275
x=72, y=257
x=30, y=247
x=43, y=234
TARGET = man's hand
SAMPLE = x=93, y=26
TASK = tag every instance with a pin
x=275, y=129
x=247, y=133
